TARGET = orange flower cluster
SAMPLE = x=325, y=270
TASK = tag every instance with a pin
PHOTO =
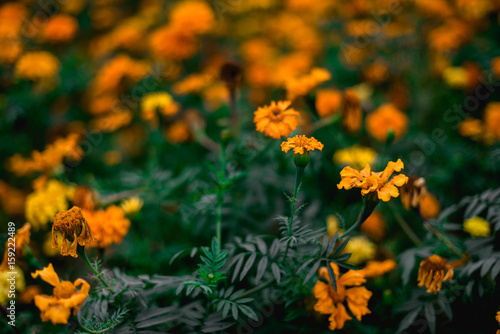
x=109, y=226
x=48, y=160
x=371, y=182
x=332, y=302
x=73, y=226
x=65, y=297
x=276, y=120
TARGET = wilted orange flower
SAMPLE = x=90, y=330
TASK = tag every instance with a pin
x=73, y=226
x=386, y=117
x=173, y=43
x=351, y=112
x=412, y=191
x=301, y=144
x=378, y=268
x=429, y=206
x=303, y=85
x=332, y=302
x=194, y=16
x=370, y=181
x=57, y=308
x=328, y=101
x=48, y=160
x=276, y=120
x=37, y=65
x=431, y=273
x=22, y=238
x=60, y=28
x=374, y=226
x=109, y=226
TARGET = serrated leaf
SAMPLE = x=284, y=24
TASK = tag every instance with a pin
x=495, y=270
x=444, y=304
x=225, y=310
x=305, y=264
x=248, y=266
x=324, y=244
x=273, y=251
x=313, y=270
x=344, y=257
x=332, y=243
x=261, y=268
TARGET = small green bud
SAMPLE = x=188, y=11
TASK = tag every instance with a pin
x=301, y=160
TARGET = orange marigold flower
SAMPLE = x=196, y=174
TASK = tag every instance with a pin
x=328, y=101
x=351, y=112
x=276, y=120
x=492, y=119
x=22, y=238
x=378, y=268
x=431, y=273
x=109, y=226
x=301, y=144
x=374, y=226
x=38, y=65
x=60, y=28
x=332, y=302
x=57, y=308
x=429, y=206
x=387, y=117
x=194, y=16
x=73, y=226
x=178, y=132
x=169, y=42
x=370, y=181
x=303, y=85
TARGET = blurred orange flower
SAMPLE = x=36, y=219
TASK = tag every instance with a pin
x=60, y=28
x=328, y=101
x=387, y=117
x=109, y=226
x=193, y=16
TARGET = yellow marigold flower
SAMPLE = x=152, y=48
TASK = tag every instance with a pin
x=303, y=85
x=73, y=226
x=371, y=182
x=276, y=120
x=60, y=28
x=5, y=283
x=378, y=268
x=429, y=206
x=456, y=77
x=386, y=117
x=375, y=226
x=37, y=65
x=301, y=144
x=361, y=250
x=477, y=227
x=178, y=132
x=57, y=308
x=194, y=16
x=332, y=225
x=172, y=43
x=356, y=156
x=412, y=192
x=157, y=102
x=22, y=238
x=328, y=101
x=492, y=119
x=109, y=226
x=43, y=204
x=132, y=205
x=48, y=160
x=431, y=273
x=351, y=112
x=349, y=290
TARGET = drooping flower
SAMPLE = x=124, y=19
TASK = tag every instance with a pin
x=73, y=227
x=431, y=273
x=412, y=191
x=349, y=290
x=43, y=204
x=37, y=65
x=355, y=156
x=361, y=249
x=276, y=120
x=57, y=308
x=109, y=226
x=375, y=226
x=132, y=205
x=387, y=117
x=429, y=206
x=477, y=227
x=22, y=238
x=301, y=144
x=378, y=268
x=371, y=182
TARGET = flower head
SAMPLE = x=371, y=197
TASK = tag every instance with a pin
x=276, y=120
x=132, y=205
x=371, y=182
x=57, y=308
x=361, y=249
x=375, y=226
x=351, y=112
x=109, y=226
x=193, y=15
x=412, y=191
x=38, y=65
x=328, y=101
x=332, y=302
x=431, y=273
x=477, y=227
x=74, y=228
x=5, y=283
x=301, y=144
x=429, y=206
x=378, y=268
x=161, y=102
x=387, y=117
x=356, y=156
x=60, y=28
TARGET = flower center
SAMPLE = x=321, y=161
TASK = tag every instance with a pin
x=64, y=290
x=435, y=262
x=337, y=296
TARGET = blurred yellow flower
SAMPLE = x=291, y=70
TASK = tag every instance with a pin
x=355, y=156
x=74, y=228
x=456, y=77
x=43, y=204
x=361, y=249
x=161, y=102
x=132, y=205
x=276, y=120
x=371, y=182
x=5, y=283
x=332, y=225
x=477, y=227
x=37, y=65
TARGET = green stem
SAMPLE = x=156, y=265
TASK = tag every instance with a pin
x=81, y=251
x=218, y=227
x=298, y=178
x=441, y=237
x=367, y=209
x=257, y=288
x=406, y=227
x=220, y=195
